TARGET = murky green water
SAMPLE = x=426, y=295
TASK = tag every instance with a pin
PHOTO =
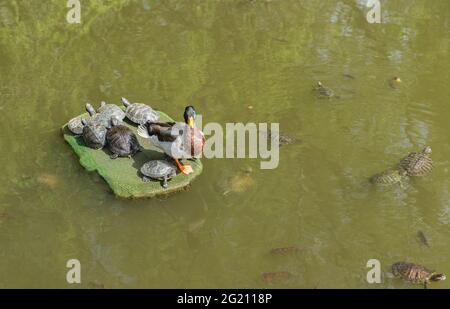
x=223, y=56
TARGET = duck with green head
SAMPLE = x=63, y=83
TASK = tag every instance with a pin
x=178, y=140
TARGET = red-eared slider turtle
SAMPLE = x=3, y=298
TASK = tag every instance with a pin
x=98, y=118
x=111, y=110
x=395, y=82
x=122, y=142
x=390, y=177
x=323, y=91
x=238, y=183
x=94, y=134
x=418, y=164
x=415, y=273
x=159, y=170
x=283, y=138
x=75, y=125
x=139, y=113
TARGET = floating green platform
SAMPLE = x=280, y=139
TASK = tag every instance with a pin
x=122, y=174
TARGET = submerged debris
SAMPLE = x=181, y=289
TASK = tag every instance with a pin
x=276, y=277
x=285, y=251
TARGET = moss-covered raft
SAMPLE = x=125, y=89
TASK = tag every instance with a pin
x=122, y=174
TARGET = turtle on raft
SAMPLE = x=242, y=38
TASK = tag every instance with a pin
x=110, y=111
x=103, y=119
x=94, y=134
x=390, y=177
x=76, y=126
x=418, y=164
x=416, y=273
x=159, y=170
x=139, y=113
x=121, y=140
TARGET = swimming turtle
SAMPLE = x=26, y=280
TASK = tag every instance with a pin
x=121, y=140
x=111, y=110
x=159, y=170
x=324, y=91
x=283, y=138
x=94, y=134
x=395, y=82
x=415, y=273
x=418, y=164
x=238, y=183
x=75, y=125
x=139, y=113
x=390, y=177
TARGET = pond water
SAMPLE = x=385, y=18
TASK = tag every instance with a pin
x=223, y=56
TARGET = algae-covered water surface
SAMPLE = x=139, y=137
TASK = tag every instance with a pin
x=314, y=221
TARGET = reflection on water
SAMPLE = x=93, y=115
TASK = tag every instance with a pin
x=222, y=57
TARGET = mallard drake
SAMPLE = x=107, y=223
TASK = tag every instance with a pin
x=177, y=139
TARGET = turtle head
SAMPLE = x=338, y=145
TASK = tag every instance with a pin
x=437, y=277
x=427, y=150
x=115, y=121
x=189, y=116
x=319, y=84
x=103, y=103
x=396, y=79
x=125, y=102
x=90, y=109
x=83, y=122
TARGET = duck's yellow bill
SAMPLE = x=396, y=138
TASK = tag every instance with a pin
x=191, y=122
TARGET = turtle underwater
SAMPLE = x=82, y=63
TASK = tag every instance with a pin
x=94, y=134
x=121, y=140
x=418, y=164
x=238, y=183
x=283, y=138
x=139, y=113
x=159, y=170
x=415, y=273
x=390, y=177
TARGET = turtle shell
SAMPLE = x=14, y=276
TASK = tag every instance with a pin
x=158, y=169
x=94, y=135
x=388, y=177
x=140, y=113
x=411, y=272
x=122, y=141
x=75, y=125
x=111, y=110
x=418, y=164
x=323, y=91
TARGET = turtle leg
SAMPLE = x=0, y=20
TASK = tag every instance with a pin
x=164, y=182
x=114, y=156
x=145, y=179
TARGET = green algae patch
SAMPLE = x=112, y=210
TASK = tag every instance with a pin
x=122, y=174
